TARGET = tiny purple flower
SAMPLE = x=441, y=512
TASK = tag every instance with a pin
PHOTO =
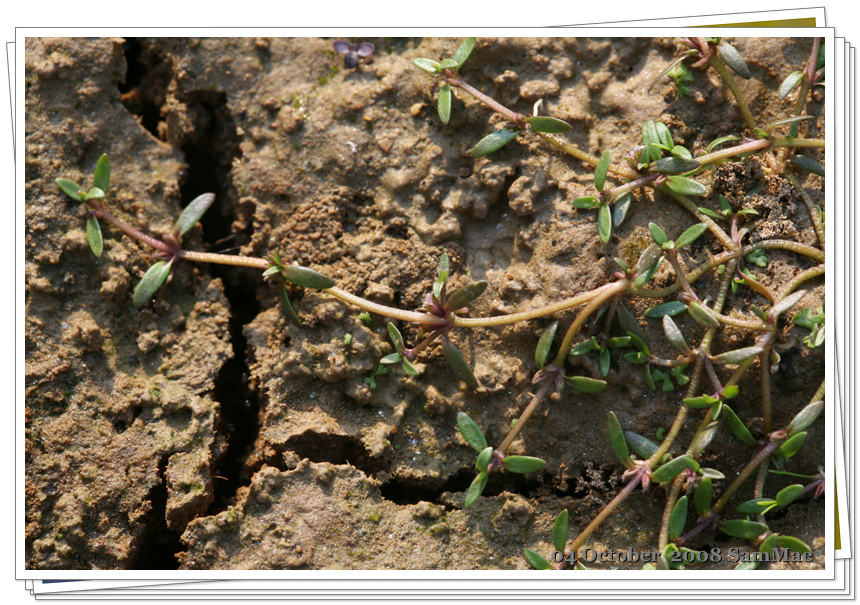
x=352, y=53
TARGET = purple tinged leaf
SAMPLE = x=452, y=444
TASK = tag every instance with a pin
x=465, y=295
x=365, y=49
x=458, y=363
x=730, y=55
x=193, y=212
x=342, y=46
x=152, y=280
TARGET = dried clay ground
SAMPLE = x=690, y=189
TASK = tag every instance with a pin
x=206, y=432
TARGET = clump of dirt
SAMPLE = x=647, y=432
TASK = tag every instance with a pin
x=351, y=173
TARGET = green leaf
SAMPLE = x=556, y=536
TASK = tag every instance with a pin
x=307, y=278
x=101, y=177
x=711, y=213
x=691, y=235
x=805, y=417
x=649, y=134
x=464, y=50
x=705, y=401
x=737, y=356
x=674, y=165
x=673, y=333
x=587, y=202
x=442, y=275
x=658, y=234
x=458, y=363
x=396, y=338
x=548, y=124
x=730, y=392
x=604, y=223
x=288, y=307
x=604, y=360
x=193, y=212
x=94, y=194
x=94, y=236
x=702, y=497
x=663, y=135
x=475, y=490
x=759, y=506
x=391, y=359
x=618, y=341
x=702, y=315
x=585, y=347
x=631, y=328
x=152, y=280
x=641, y=446
x=535, y=560
x=471, y=433
x=427, y=65
x=789, y=494
x=808, y=163
x=601, y=170
x=769, y=543
x=465, y=295
x=678, y=518
x=792, y=445
x=686, y=186
x=444, y=103
x=741, y=528
x=448, y=64
x=622, y=206
x=790, y=82
x=671, y=309
x=738, y=427
x=673, y=468
x=408, y=368
x=728, y=139
x=559, y=531
x=522, y=464
x=484, y=459
x=72, y=189
x=793, y=544
x=730, y=55
x=786, y=303
x=785, y=121
x=271, y=271
x=679, y=151
x=585, y=384
x=757, y=257
x=616, y=439
x=544, y=344
x=493, y=142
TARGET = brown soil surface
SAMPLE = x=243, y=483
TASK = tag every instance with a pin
x=207, y=432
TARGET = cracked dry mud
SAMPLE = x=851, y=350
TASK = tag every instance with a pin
x=206, y=432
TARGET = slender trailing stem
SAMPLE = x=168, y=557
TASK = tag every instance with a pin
x=103, y=213
x=799, y=279
x=606, y=292
x=224, y=259
x=702, y=218
x=762, y=455
x=607, y=510
x=789, y=142
x=764, y=377
x=539, y=396
x=730, y=152
x=579, y=154
x=361, y=303
x=814, y=212
x=718, y=64
x=784, y=244
x=490, y=102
